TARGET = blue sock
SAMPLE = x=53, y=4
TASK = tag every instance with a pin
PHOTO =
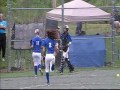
x=53, y=67
x=47, y=77
x=39, y=66
x=35, y=69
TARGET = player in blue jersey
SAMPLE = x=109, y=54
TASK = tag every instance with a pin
x=3, y=25
x=36, y=45
x=52, y=48
x=66, y=41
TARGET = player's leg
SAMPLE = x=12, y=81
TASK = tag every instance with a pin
x=35, y=62
x=52, y=64
x=118, y=31
x=70, y=66
x=117, y=26
x=3, y=45
x=0, y=46
x=61, y=65
x=47, y=63
x=42, y=62
x=39, y=63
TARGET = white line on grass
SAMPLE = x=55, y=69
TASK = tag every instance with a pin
x=32, y=86
x=51, y=85
x=81, y=84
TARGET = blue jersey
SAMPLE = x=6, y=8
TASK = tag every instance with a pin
x=49, y=44
x=36, y=43
x=67, y=36
x=4, y=24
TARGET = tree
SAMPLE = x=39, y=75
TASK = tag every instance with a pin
x=53, y=3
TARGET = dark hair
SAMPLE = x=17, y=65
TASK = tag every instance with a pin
x=51, y=34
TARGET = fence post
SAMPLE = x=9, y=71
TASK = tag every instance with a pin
x=9, y=35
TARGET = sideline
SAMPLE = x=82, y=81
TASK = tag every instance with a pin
x=63, y=84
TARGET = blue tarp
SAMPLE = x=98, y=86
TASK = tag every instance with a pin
x=87, y=51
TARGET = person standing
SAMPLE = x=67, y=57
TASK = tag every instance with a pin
x=51, y=51
x=116, y=20
x=78, y=28
x=66, y=41
x=36, y=45
x=3, y=26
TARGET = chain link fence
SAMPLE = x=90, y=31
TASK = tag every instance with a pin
x=27, y=15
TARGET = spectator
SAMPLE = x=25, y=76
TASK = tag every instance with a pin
x=3, y=26
x=79, y=28
x=116, y=20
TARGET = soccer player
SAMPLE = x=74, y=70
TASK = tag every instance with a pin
x=52, y=49
x=36, y=45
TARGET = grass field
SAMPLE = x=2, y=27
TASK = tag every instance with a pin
x=30, y=73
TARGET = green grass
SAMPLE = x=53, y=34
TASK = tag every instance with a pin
x=30, y=73
x=91, y=29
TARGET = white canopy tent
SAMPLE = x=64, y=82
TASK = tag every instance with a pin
x=78, y=10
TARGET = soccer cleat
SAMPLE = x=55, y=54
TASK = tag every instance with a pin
x=41, y=72
x=48, y=84
x=35, y=76
x=60, y=71
x=71, y=71
x=51, y=71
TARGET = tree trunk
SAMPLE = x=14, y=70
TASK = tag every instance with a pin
x=53, y=3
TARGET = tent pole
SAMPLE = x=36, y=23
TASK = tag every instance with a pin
x=62, y=14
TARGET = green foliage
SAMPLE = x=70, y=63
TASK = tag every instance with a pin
x=3, y=6
x=25, y=16
x=32, y=3
x=3, y=3
x=103, y=2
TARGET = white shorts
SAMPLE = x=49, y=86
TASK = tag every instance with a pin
x=36, y=58
x=65, y=54
x=49, y=60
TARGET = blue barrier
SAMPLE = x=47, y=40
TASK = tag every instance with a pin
x=87, y=51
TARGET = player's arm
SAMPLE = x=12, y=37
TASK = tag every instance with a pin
x=31, y=43
x=56, y=49
x=43, y=51
x=3, y=25
x=69, y=39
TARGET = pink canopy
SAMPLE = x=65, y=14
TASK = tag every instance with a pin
x=79, y=11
